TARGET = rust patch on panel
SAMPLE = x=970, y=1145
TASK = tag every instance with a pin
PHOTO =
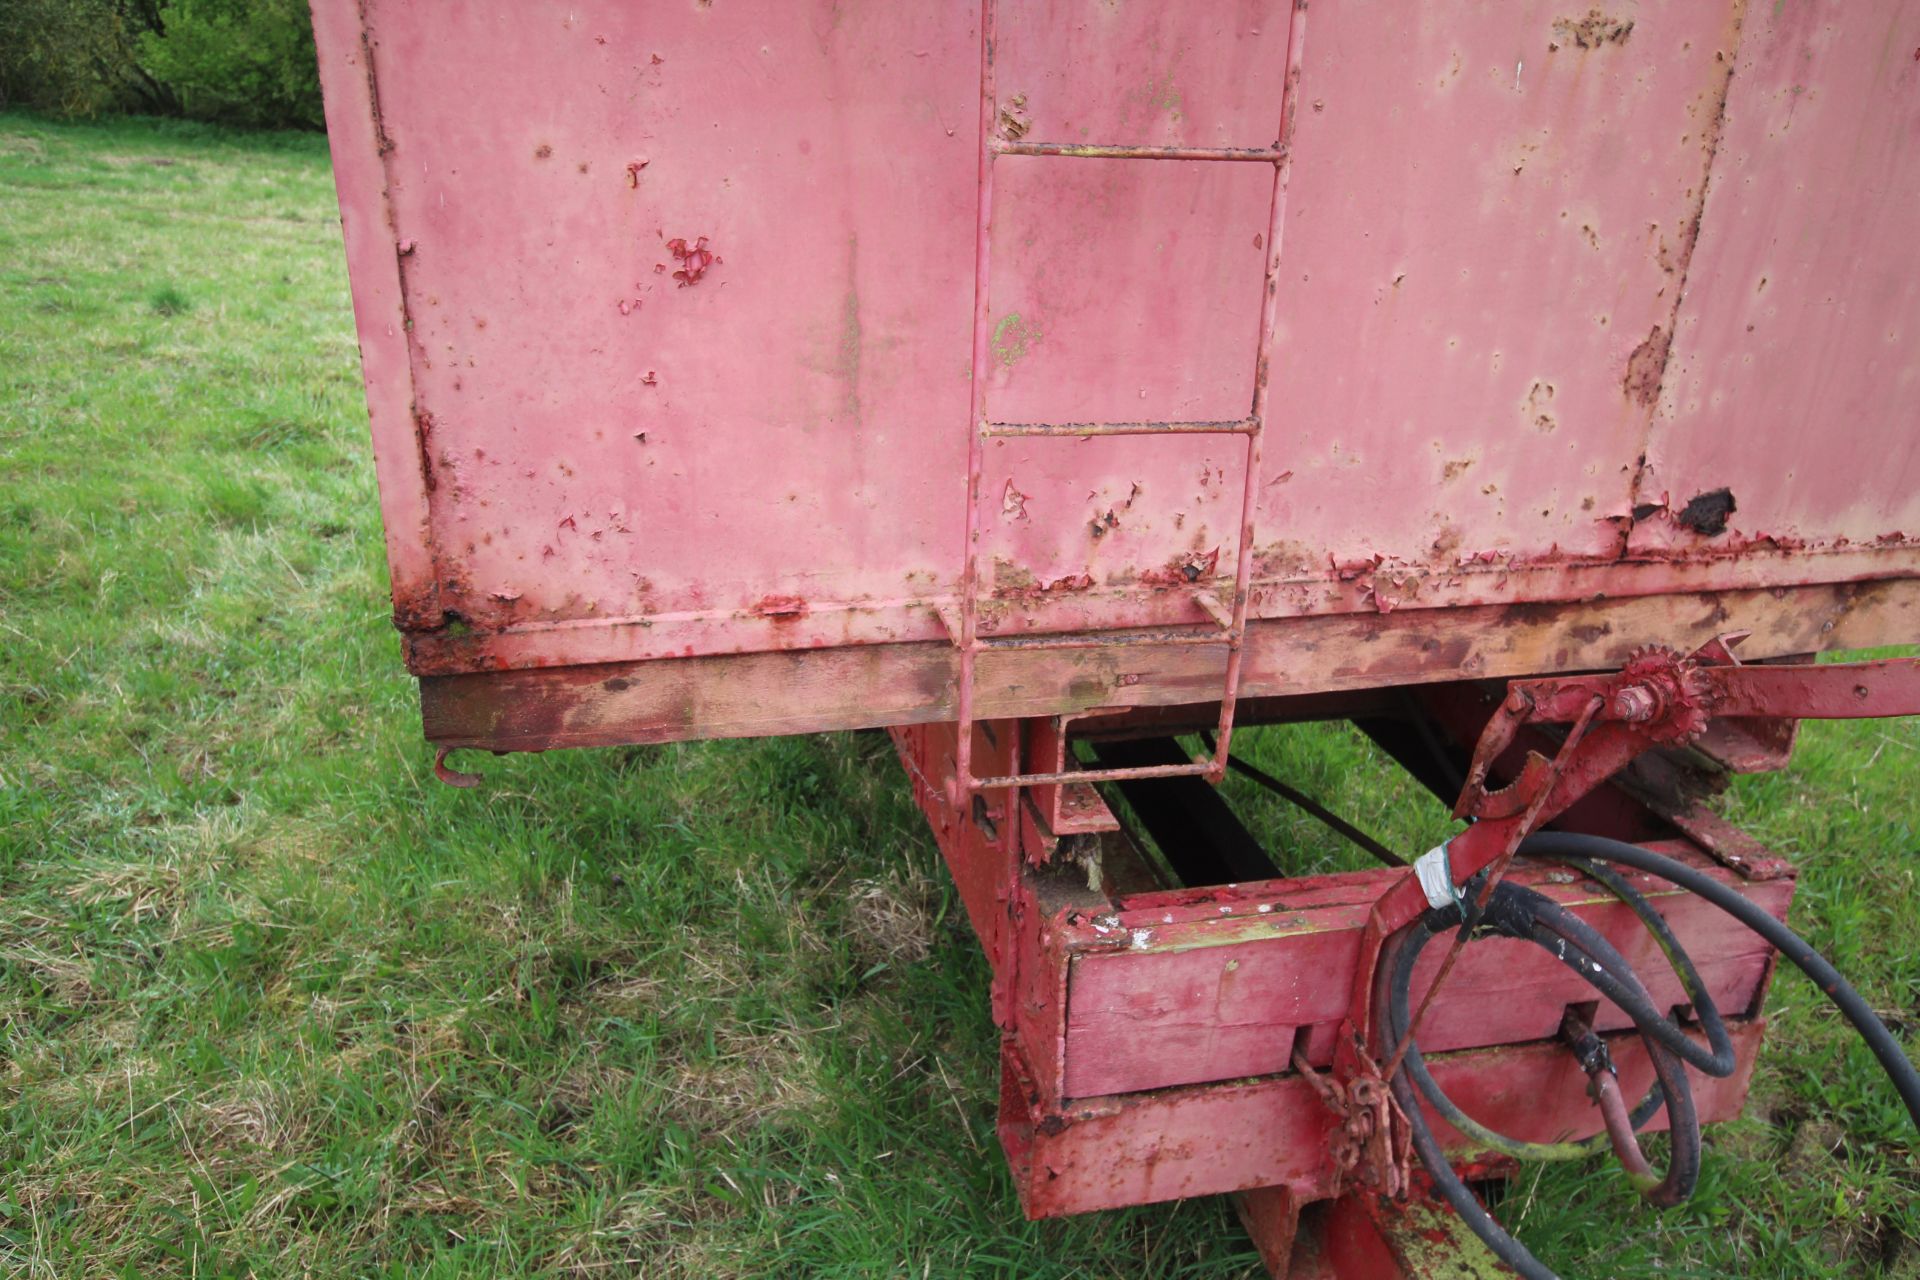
x=1592, y=31
x=423, y=428
x=694, y=259
x=780, y=608
x=1013, y=120
x=1016, y=582
x=1706, y=513
x=1646, y=366
x=1183, y=569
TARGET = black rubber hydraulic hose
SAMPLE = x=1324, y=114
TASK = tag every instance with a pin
x=1518, y=912
x=1719, y=1061
x=1452, y=1188
x=1399, y=973
x=1575, y=848
x=1563, y=845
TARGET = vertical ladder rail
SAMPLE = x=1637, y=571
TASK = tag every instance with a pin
x=1231, y=620
x=1262, y=386
x=962, y=783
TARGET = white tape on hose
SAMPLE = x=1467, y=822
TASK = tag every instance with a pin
x=1436, y=877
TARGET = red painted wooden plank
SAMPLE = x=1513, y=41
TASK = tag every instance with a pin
x=1107, y=1153
x=1174, y=1010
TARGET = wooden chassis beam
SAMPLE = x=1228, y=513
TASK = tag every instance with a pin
x=880, y=685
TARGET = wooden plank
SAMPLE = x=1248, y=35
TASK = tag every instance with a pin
x=1108, y=1153
x=1218, y=999
x=867, y=686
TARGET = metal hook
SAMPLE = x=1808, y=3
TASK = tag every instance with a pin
x=451, y=776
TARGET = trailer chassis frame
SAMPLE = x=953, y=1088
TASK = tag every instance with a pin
x=1092, y=1117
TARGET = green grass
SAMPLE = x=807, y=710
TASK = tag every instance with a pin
x=277, y=1003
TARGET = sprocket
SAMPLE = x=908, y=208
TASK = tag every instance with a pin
x=1679, y=685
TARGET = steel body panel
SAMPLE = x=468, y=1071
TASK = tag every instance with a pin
x=541, y=160
x=1468, y=295
x=1521, y=250
x=1806, y=355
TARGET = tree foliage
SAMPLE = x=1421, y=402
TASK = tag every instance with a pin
x=250, y=62
x=78, y=57
x=246, y=62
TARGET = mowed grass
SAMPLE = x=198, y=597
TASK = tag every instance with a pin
x=277, y=1003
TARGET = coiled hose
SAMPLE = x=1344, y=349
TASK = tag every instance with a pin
x=1519, y=912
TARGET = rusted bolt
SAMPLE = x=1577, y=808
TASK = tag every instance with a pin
x=1635, y=704
x=1861, y=691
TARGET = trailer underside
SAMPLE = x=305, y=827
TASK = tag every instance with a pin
x=1167, y=998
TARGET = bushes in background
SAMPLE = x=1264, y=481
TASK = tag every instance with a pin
x=246, y=62
x=78, y=57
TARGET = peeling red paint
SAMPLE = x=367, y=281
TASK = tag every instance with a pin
x=781, y=608
x=1183, y=570
x=694, y=260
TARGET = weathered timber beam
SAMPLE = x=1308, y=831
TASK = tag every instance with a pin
x=868, y=686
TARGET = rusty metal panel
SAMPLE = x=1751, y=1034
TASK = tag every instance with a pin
x=1479, y=202
x=666, y=318
x=619, y=429
x=1110, y=1153
x=1796, y=360
x=747, y=695
x=1213, y=985
x=379, y=311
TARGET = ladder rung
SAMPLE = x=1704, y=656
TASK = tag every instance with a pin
x=1101, y=639
x=1210, y=603
x=1235, y=427
x=1089, y=151
x=1197, y=768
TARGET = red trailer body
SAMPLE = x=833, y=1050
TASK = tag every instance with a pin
x=1024, y=371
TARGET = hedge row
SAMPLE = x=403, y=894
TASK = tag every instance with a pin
x=245, y=62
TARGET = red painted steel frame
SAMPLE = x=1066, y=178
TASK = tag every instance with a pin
x=1147, y=1032
x=1660, y=697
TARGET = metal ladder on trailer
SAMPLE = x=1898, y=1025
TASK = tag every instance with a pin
x=1230, y=619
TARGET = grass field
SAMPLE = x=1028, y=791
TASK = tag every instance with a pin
x=276, y=1003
